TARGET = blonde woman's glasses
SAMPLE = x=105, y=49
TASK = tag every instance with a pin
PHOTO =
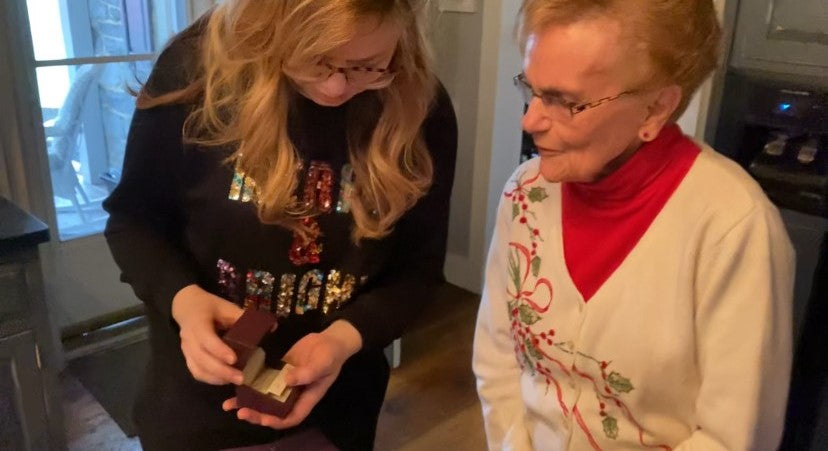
x=365, y=77
x=556, y=106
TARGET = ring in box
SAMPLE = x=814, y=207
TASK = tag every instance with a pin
x=264, y=389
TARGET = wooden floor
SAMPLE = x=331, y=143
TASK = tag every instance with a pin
x=88, y=426
x=431, y=403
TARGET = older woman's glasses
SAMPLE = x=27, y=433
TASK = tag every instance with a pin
x=365, y=77
x=556, y=106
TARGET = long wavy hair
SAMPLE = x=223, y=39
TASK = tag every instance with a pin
x=248, y=47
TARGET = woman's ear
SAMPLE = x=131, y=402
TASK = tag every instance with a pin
x=660, y=110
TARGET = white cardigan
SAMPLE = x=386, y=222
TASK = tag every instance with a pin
x=686, y=346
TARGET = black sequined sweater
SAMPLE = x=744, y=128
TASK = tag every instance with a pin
x=182, y=215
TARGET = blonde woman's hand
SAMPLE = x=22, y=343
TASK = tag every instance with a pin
x=199, y=314
x=318, y=359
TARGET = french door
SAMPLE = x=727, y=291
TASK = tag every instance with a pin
x=72, y=63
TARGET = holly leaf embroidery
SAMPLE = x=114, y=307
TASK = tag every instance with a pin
x=526, y=364
x=514, y=270
x=533, y=351
x=528, y=316
x=610, y=427
x=536, y=262
x=537, y=194
x=619, y=383
x=515, y=211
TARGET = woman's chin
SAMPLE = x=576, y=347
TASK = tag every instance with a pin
x=553, y=175
x=558, y=173
x=328, y=103
x=323, y=100
x=552, y=169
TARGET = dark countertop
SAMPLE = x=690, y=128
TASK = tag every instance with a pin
x=18, y=228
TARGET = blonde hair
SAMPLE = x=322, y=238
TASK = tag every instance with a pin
x=682, y=37
x=247, y=47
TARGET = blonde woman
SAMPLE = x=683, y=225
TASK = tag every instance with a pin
x=295, y=156
x=638, y=289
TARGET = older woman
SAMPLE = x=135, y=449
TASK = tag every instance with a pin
x=638, y=288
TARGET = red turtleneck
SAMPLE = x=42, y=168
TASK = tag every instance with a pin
x=603, y=221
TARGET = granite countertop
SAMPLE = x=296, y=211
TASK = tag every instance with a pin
x=18, y=228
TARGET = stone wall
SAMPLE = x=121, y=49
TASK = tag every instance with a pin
x=109, y=34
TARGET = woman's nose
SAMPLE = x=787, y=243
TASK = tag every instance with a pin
x=334, y=86
x=535, y=120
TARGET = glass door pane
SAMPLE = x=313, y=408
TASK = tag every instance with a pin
x=86, y=114
x=88, y=54
x=86, y=28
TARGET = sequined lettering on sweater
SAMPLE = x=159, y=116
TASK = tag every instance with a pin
x=316, y=197
x=312, y=291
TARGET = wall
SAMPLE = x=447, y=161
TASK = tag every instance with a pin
x=496, y=140
x=107, y=20
x=456, y=38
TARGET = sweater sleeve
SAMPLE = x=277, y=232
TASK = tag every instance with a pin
x=743, y=336
x=494, y=363
x=144, y=229
x=382, y=313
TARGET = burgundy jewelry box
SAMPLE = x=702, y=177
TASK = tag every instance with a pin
x=264, y=388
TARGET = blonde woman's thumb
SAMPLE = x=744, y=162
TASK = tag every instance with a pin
x=227, y=313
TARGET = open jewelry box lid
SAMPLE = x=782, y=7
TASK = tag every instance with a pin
x=264, y=388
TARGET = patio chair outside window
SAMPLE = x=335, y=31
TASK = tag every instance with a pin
x=63, y=136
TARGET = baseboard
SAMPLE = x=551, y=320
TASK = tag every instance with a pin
x=110, y=336
x=73, y=331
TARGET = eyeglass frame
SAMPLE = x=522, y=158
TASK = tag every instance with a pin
x=574, y=108
x=345, y=70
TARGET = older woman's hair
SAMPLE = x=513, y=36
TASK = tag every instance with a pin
x=247, y=48
x=682, y=37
